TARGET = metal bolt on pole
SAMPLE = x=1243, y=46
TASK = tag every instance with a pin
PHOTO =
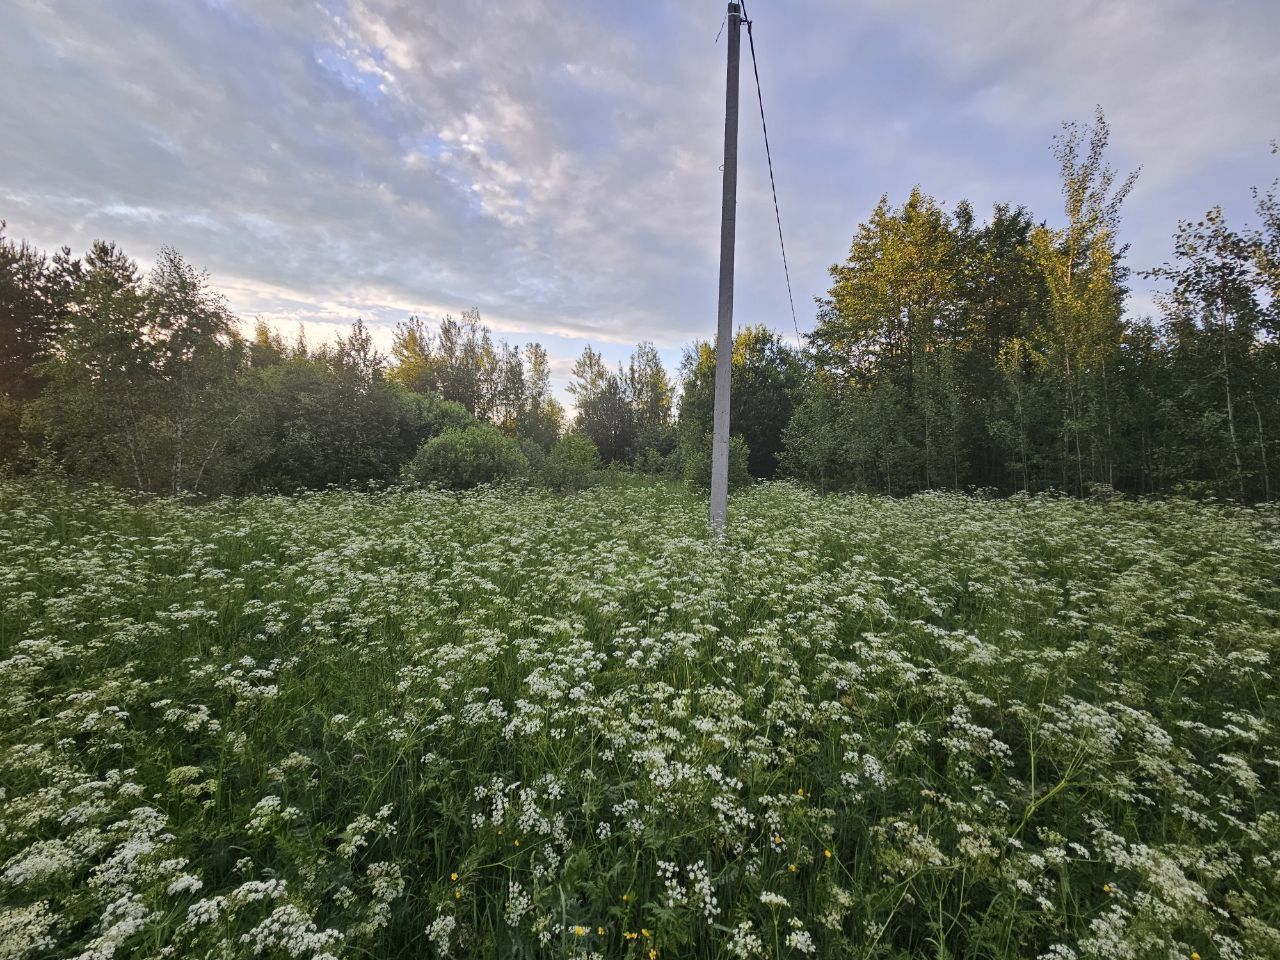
x=724, y=323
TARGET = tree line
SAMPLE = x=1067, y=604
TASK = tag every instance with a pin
x=948, y=352
x=955, y=354
x=147, y=381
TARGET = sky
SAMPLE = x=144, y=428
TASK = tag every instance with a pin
x=557, y=164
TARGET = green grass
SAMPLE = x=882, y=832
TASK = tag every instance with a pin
x=936, y=727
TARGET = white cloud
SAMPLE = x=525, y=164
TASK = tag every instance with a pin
x=557, y=164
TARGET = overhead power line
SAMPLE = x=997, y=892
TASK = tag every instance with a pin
x=764, y=126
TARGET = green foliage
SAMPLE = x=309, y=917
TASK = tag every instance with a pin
x=462, y=459
x=695, y=461
x=317, y=421
x=948, y=353
x=141, y=388
x=540, y=418
x=510, y=724
x=459, y=362
x=625, y=413
x=1079, y=338
x=573, y=464
x=33, y=307
x=819, y=444
x=495, y=384
x=605, y=413
x=146, y=383
x=11, y=446
x=659, y=453
x=1223, y=369
x=765, y=375
x=907, y=344
x=438, y=415
x=651, y=394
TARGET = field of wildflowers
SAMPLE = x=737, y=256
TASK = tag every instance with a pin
x=509, y=724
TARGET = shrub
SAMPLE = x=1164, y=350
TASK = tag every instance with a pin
x=534, y=452
x=653, y=463
x=438, y=414
x=657, y=451
x=572, y=464
x=696, y=462
x=461, y=459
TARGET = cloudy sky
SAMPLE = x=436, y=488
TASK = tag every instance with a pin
x=556, y=164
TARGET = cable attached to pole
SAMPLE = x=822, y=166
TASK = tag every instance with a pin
x=764, y=126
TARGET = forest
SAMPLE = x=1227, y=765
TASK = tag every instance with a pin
x=950, y=352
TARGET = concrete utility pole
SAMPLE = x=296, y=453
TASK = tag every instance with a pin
x=724, y=323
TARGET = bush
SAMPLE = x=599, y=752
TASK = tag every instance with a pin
x=437, y=414
x=10, y=429
x=655, y=464
x=572, y=464
x=658, y=451
x=465, y=458
x=534, y=452
x=696, y=462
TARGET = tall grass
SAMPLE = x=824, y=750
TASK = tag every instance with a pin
x=515, y=725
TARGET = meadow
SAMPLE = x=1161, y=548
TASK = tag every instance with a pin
x=506, y=723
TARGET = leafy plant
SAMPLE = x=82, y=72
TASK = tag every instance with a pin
x=465, y=458
x=572, y=464
x=695, y=461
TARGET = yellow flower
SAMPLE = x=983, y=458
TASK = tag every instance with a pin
x=600, y=931
x=580, y=931
x=644, y=932
x=627, y=935
x=1194, y=955
x=453, y=877
x=800, y=791
x=1106, y=888
x=517, y=843
x=626, y=898
x=791, y=867
x=457, y=894
x=827, y=854
x=653, y=954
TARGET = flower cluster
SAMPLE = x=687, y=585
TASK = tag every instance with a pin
x=418, y=723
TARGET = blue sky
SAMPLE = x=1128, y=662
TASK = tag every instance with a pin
x=557, y=164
